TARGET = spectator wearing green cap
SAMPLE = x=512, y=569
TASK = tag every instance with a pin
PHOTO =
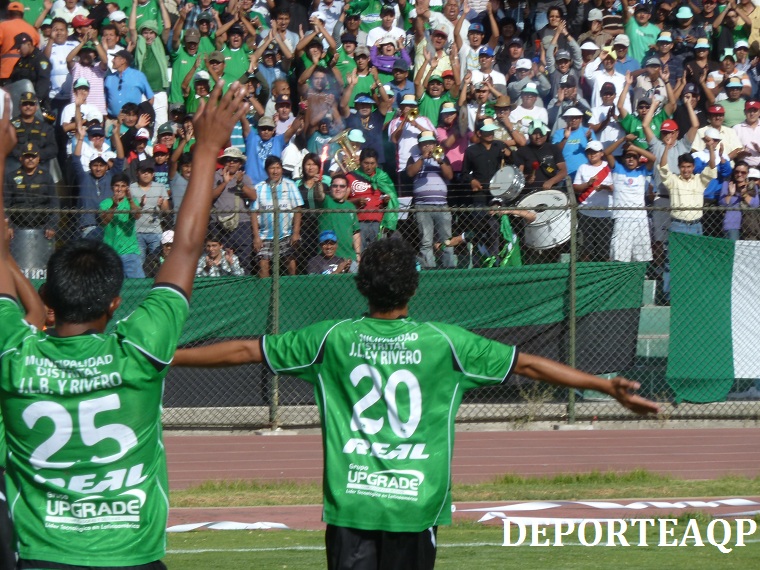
x=430, y=92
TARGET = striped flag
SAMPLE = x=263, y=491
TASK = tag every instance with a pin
x=715, y=310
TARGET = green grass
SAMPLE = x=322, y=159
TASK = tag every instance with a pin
x=461, y=546
x=608, y=485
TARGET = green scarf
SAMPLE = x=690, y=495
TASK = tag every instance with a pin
x=157, y=47
x=381, y=181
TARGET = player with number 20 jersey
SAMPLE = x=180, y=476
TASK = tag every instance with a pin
x=387, y=456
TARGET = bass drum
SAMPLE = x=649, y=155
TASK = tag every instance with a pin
x=507, y=183
x=551, y=226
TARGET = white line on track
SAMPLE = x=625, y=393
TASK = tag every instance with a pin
x=321, y=548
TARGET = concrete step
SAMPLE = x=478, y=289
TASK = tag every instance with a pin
x=654, y=321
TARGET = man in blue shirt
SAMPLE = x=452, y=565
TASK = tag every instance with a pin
x=572, y=140
x=262, y=142
x=126, y=85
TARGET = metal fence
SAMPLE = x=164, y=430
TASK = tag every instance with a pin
x=538, y=274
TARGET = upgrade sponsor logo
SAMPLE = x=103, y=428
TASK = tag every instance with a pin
x=94, y=511
x=391, y=484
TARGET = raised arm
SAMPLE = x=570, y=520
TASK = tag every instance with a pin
x=7, y=142
x=231, y=353
x=212, y=125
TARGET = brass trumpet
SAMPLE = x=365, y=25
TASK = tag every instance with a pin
x=438, y=153
x=413, y=114
x=345, y=157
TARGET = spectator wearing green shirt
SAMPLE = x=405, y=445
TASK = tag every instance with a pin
x=183, y=59
x=430, y=92
x=632, y=122
x=366, y=80
x=118, y=215
x=346, y=63
x=150, y=56
x=236, y=54
x=640, y=31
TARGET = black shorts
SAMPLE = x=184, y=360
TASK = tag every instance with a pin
x=7, y=550
x=354, y=549
x=42, y=565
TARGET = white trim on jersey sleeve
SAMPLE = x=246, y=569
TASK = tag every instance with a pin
x=449, y=448
x=459, y=362
x=321, y=344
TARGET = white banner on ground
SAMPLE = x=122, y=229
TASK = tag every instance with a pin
x=226, y=525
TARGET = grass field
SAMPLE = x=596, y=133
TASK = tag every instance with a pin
x=473, y=545
x=462, y=546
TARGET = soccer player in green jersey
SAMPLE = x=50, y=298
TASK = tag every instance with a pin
x=86, y=468
x=388, y=389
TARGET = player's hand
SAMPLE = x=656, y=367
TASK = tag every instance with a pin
x=7, y=130
x=623, y=389
x=217, y=116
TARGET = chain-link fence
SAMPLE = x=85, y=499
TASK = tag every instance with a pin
x=596, y=288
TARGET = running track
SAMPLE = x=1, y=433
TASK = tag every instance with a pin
x=478, y=457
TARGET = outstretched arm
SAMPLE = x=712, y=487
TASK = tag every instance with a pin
x=545, y=370
x=212, y=125
x=230, y=353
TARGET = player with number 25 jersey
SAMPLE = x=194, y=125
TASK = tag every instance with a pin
x=120, y=486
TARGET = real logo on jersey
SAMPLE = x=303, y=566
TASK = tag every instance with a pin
x=361, y=446
x=391, y=483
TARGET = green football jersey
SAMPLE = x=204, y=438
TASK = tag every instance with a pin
x=388, y=392
x=86, y=468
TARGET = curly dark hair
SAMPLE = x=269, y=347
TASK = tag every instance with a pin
x=388, y=274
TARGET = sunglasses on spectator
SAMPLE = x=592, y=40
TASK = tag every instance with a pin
x=266, y=128
x=742, y=172
x=28, y=103
x=339, y=185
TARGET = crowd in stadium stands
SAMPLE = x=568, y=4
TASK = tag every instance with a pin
x=360, y=105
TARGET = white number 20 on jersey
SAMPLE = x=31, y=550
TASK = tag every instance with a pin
x=377, y=392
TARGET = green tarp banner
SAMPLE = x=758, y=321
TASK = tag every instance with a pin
x=478, y=299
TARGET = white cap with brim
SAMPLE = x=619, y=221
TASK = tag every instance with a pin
x=426, y=136
x=753, y=173
x=594, y=146
x=573, y=112
x=488, y=126
x=713, y=133
x=589, y=46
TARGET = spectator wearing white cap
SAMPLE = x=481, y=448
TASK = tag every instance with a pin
x=601, y=71
x=732, y=146
x=624, y=62
x=526, y=73
x=741, y=51
x=592, y=184
x=572, y=139
x=527, y=112
x=596, y=33
x=712, y=219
